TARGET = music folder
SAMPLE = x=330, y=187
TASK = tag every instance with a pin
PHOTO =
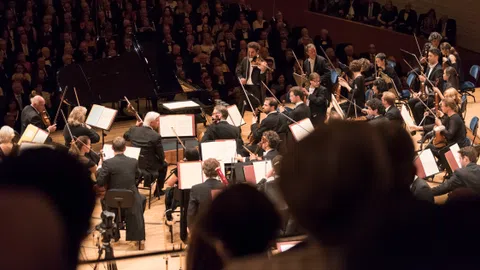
x=33, y=134
x=221, y=150
x=101, y=117
x=257, y=171
x=407, y=118
x=284, y=246
x=234, y=116
x=301, y=129
x=426, y=164
x=184, y=125
x=337, y=107
x=453, y=157
x=190, y=173
x=132, y=152
x=301, y=80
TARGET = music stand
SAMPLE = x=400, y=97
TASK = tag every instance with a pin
x=101, y=117
x=411, y=58
x=181, y=125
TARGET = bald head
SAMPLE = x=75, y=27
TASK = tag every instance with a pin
x=38, y=103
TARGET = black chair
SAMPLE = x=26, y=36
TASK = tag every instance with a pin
x=119, y=199
x=468, y=87
x=149, y=188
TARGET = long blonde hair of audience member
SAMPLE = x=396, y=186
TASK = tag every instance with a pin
x=77, y=116
x=6, y=136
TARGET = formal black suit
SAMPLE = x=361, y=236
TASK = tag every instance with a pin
x=450, y=34
x=300, y=112
x=78, y=131
x=318, y=103
x=119, y=172
x=421, y=190
x=468, y=177
x=200, y=196
x=320, y=66
x=378, y=120
x=407, y=26
x=257, y=77
x=151, y=162
x=222, y=131
x=393, y=114
x=31, y=116
x=274, y=121
x=375, y=11
x=270, y=155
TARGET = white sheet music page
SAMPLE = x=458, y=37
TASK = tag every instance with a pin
x=180, y=104
x=189, y=174
x=224, y=150
x=131, y=152
x=40, y=137
x=407, y=118
x=106, y=119
x=261, y=168
x=184, y=125
x=95, y=113
x=337, y=107
x=455, y=148
x=429, y=163
x=302, y=129
x=234, y=117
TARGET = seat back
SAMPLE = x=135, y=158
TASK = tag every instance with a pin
x=368, y=94
x=463, y=106
x=474, y=70
x=474, y=127
x=119, y=198
x=410, y=79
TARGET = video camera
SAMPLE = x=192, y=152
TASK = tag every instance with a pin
x=108, y=227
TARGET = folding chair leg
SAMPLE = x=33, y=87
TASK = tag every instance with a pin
x=470, y=94
x=149, y=197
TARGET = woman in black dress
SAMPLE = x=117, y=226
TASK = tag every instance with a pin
x=356, y=89
x=78, y=127
x=79, y=149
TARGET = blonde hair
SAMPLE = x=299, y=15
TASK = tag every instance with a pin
x=77, y=116
x=6, y=134
x=453, y=94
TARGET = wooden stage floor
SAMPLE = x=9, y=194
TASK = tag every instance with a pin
x=158, y=236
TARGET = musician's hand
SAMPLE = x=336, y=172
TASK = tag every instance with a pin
x=254, y=120
x=421, y=78
x=364, y=111
x=440, y=113
x=52, y=128
x=243, y=81
x=425, y=114
x=423, y=60
x=281, y=108
x=416, y=95
x=437, y=90
x=240, y=158
x=139, y=123
x=253, y=157
x=87, y=126
x=438, y=122
x=414, y=128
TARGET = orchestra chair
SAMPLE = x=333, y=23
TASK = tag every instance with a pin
x=463, y=106
x=119, y=200
x=154, y=183
x=474, y=128
x=468, y=87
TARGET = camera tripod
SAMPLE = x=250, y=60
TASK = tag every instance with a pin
x=106, y=246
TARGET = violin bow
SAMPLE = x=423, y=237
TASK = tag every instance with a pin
x=246, y=95
x=60, y=106
x=76, y=138
x=298, y=63
x=418, y=45
x=423, y=103
x=133, y=109
x=178, y=138
x=76, y=95
x=273, y=95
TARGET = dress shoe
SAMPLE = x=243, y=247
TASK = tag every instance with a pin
x=141, y=245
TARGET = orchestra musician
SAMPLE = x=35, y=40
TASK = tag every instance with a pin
x=201, y=194
x=119, y=172
x=379, y=87
x=392, y=113
x=221, y=129
x=375, y=111
x=450, y=126
x=273, y=121
x=434, y=74
x=318, y=99
x=451, y=58
x=356, y=89
x=146, y=136
x=80, y=149
x=381, y=62
x=31, y=114
x=316, y=63
x=251, y=72
x=269, y=143
x=301, y=110
x=78, y=127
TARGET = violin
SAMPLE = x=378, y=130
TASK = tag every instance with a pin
x=439, y=141
x=45, y=118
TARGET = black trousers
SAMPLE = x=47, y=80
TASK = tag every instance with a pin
x=439, y=153
x=255, y=96
x=418, y=109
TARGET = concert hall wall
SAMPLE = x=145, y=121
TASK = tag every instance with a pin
x=341, y=31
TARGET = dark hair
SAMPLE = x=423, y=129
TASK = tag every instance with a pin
x=222, y=110
x=470, y=152
x=209, y=167
x=272, y=138
x=381, y=85
x=119, y=144
x=192, y=154
x=452, y=77
x=344, y=198
x=272, y=102
x=356, y=66
x=253, y=45
x=79, y=143
x=376, y=104
x=381, y=56
x=74, y=208
x=297, y=91
x=435, y=51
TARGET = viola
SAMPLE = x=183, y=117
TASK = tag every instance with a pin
x=45, y=118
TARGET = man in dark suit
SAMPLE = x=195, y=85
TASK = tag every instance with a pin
x=316, y=63
x=151, y=162
x=119, y=172
x=221, y=129
x=251, y=75
x=434, y=73
x=370, y=11
x=448, y=29
x=421, y=190
x=301, y=110
x=223, y=54
x=274, y=121
x=466, y=177
x=375, y=111
x=201, y=194
x=318, y=99
x=31, y=115
x=381, y=62
x=407, y=20
x=269, y=143
x=392, y=113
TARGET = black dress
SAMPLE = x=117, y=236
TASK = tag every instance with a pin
x=356, y=96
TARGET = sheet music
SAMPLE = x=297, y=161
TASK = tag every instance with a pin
x=106, y=118
x=40, y=137
x=189, y=174
x=132, y=152
x=184, y=125
x=302, y=129
x=234, y=117
x=94, y=115
x=224, y=151
x=28, y=134
x=261, y=168
x=180, y=105
x=428, y=162
x=337, y=106
x=455, y=148
x=407, y=118
x=284, y=246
